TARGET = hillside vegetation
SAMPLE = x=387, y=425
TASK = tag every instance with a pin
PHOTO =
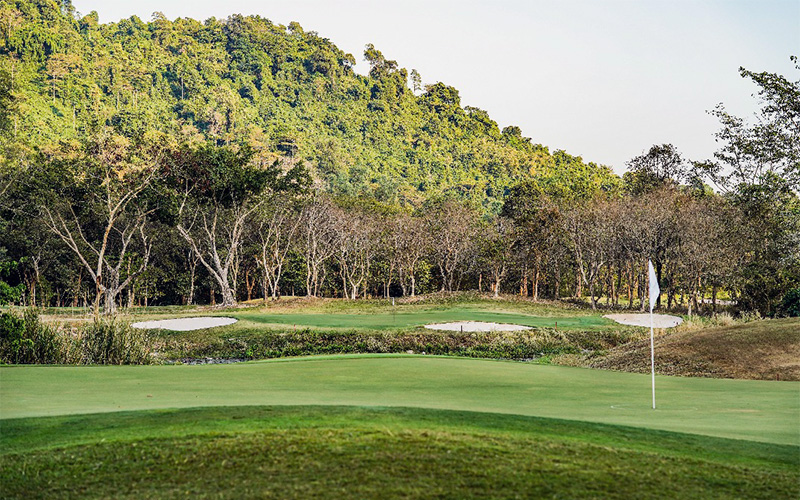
x=286, y=91
x=765, y=350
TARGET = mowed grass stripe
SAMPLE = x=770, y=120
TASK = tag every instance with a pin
x=386, y=320
x=739, y=409
x=307, y=452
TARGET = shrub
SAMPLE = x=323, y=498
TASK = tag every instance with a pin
x=26, y=340
x=109, y=342
x=790, y=304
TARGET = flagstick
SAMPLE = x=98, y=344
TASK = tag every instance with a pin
x=652, y=359
x=652, y=294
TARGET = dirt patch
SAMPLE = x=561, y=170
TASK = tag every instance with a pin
x=476, y=326
x=659, y=320
x=184, y=324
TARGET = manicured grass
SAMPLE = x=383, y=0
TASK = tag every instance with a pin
x=302, y=452
x=406, y=318
x=739, y=409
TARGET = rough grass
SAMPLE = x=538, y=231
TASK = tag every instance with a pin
x=312, y=452
x=272, y=342
x=327, y=326
x=762, y=350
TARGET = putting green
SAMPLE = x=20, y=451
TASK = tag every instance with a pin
x=411, y=318
x=740, y=409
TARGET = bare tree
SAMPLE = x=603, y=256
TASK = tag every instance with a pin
x=497, y=250
x=102, y=228
x=707, y=251
x=452, y=230
x=214, y=233
x=222, y=187
x=317, y=240
x=356, y=247
x=412, y=243
x=587, y=230
x=276, y=226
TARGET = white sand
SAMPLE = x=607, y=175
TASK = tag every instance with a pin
x=659, y=320
x=476, y=326
x=185, y=324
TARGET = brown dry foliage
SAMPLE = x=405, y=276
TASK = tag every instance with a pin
x=762, y=350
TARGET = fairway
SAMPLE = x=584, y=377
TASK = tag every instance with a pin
x=751, y=410
x=385, y=320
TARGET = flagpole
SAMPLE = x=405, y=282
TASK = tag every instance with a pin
x=652, y=359
x=653, y=293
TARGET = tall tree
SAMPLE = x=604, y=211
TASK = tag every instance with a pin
x=758, y=166
x=219, y=190
x=100, y=207
x=275, y=228
x=451, y=227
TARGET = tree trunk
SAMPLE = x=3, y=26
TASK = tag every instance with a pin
x=191, y=285
x=523, y=287
x=714, y=299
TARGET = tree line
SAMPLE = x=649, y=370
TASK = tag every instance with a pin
x=179, y=162
x=213, y=224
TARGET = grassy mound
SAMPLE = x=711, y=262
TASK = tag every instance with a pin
x=335, y=452
x=762, y=350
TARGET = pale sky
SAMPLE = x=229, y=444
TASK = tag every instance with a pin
x=603, y=79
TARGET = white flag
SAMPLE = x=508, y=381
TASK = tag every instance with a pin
x=654, y=290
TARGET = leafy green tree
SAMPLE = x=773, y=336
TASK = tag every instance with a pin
x=662, y=165
x=758, y=166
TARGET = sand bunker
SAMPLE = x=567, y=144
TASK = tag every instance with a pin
x=185, y=324
x=476, y=326
x=659, y=320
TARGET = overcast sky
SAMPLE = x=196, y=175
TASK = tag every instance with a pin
x=603, y=79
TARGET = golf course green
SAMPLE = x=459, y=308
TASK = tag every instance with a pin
x=751, y=410
x=406, y=318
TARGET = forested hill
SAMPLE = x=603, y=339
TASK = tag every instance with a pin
x=286, y=91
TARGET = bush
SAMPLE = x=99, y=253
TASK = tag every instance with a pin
x=26, y=340
x=790, y=304
x=109, y=342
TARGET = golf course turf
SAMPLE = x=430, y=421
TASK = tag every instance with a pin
x=738, y=409
x=391, y=425
x=309, y=451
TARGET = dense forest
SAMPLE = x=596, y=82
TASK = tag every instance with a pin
x=170, y=162
x=284, y=91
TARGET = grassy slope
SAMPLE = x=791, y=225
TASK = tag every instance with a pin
x=293, y=452
x=752, y=410
x=766, y=350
